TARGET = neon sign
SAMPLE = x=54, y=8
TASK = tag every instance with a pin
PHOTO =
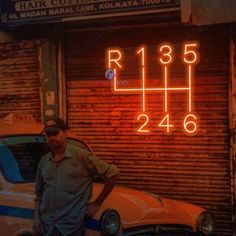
x=165, y=58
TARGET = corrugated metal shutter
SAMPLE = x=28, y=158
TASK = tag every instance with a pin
x=191, y=168
x=19, y=78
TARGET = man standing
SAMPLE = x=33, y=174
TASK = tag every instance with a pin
x=63, y=185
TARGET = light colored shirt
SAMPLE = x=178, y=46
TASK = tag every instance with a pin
x=64, y=188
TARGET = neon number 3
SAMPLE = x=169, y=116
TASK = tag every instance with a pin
x=190, y=53
x=166, y=57
x=145, y=123
x=167, y=125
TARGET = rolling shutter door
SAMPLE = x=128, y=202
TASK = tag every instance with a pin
x=19, y=78
x=191, y=168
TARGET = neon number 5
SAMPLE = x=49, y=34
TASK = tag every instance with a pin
x=190, y=55
x=166, y=57
x=167, y=125
x=190, y=126
x=146, y=118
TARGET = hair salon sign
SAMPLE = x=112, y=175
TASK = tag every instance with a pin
x=18, y=11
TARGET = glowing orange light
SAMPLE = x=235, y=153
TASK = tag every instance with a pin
x=166, y=89
x=166, y=57
x=190, y=53
x=167, y=125
x=114, y=56
x=190, y=57
x=115, y=72
x=190, y=88
x=142, y=50
x=145, y=123
x=151, y=89
x=192, y=124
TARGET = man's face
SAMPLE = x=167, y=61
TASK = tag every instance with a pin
x=56, y=139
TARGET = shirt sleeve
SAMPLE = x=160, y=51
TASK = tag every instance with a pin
x=99, y=167
x=38, y=183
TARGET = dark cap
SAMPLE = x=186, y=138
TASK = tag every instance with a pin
x=55, y=125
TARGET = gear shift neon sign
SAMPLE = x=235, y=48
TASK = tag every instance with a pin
x=190, y=58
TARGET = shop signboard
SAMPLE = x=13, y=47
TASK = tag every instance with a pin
x=18, y=11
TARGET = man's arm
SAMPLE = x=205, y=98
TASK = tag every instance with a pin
x=37, y=224
x=109, y=173
x=109, y=184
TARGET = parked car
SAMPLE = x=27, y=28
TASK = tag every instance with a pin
x=125, y=212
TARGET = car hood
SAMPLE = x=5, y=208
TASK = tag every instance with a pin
x=141, y=208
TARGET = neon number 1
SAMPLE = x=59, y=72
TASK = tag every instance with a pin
x=146, y=119
x=142, y=51
x=166, y=123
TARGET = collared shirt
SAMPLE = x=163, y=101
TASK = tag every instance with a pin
x=64, y=188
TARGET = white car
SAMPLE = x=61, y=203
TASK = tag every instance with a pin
x=125, y=212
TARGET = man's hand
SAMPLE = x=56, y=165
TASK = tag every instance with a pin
x=109, y=184
x=92, y=209
x=37, y=223
x=37, y=227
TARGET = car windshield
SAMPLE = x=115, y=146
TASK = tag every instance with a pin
x=19, y=156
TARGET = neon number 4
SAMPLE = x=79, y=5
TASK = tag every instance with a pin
x=166, y=123
x=146, y=119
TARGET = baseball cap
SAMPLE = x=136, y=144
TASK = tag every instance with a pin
x=55, y=125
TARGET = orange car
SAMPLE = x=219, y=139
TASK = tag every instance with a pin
x=125, y=212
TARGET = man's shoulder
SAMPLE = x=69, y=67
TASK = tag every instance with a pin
x=77, y=151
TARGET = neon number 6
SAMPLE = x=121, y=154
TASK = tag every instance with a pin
x=190, y=53
x=145, y=123
x=192, y=124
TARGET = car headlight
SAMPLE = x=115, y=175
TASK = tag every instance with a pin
x=206, y=223
x=110, y=222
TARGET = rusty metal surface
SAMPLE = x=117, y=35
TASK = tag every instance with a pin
x=232, y=107
x=190, y=168
x=200, y=12
x=19, y=78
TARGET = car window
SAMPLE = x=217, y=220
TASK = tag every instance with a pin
x=19, y=156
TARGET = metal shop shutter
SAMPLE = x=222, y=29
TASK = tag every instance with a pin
x=190, y=168
x=19, y=78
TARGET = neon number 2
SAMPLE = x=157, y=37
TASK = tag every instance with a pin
x=141, y=129
x=167, y=125
x=190, y=53
x=166, y=57
x=192, y=124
